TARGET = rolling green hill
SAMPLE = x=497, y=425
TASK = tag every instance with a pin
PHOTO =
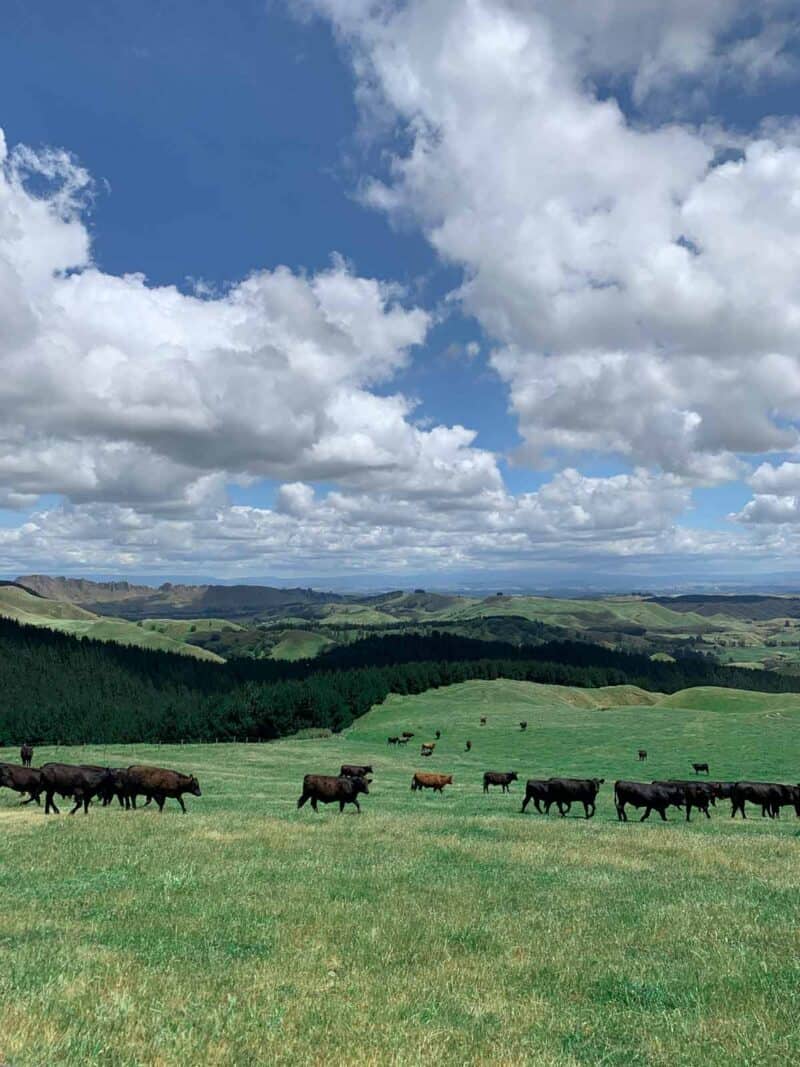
x=429, y=927
x=26, y=607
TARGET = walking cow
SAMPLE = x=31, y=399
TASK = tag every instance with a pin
x=326, y=789
x=26, y=755
x=501, y=778
x=565, y=791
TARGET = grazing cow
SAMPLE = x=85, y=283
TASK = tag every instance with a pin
x=700, y=767
x=523, y=726
x=483, y=720
x=695, y=795
x=438, y=734
x=26, y=755
x=403, y=740
x=648, y=796
x=427, y=748
x=325, y=789
x=502, y=778
x=355, y=770
x=436, y=782
x=468, y=746
x=21, y=780
x=82, y=783
x=158, y=783
x=407, y=735
x=538, y=791
x=770, y=796
x=393, y=741
x=565, y=791
x=642, y=754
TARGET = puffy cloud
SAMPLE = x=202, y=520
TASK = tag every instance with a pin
x=642, y=293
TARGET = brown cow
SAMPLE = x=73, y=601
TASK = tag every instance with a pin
x=83, y=783
x=26, y=755
x=429, y=745
x=330, y=790
x=21, y=780
x=436, y=782
x=158, y=783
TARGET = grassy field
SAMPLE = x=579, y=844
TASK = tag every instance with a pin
x=430, y=928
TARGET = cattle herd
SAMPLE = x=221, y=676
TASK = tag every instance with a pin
x=84, y=783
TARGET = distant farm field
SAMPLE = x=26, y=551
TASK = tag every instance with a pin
x=446, y=929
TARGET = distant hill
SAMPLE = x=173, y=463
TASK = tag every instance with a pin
x=175, y=601
x=751, y=606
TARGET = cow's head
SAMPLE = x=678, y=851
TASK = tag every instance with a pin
x=598, y=781
x=513, y=777
x=448, y=779
x=360, y=785
x=194, y=787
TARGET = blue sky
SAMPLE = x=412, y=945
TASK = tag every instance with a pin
x=532, y=275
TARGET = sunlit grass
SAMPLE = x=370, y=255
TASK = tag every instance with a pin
x=446, y=928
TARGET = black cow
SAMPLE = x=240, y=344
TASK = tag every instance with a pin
x=120, y=786
x=326, y=789
x=501, y=778
x=438, y=734
x=648, y=796
x=393, y=741
x=523, y=725
x=21, y=780
x=82, y=783
x=642, y=754
x=700, y=767
x=355, y=770
x=538, y=791
x=770, y=796
x=26, y=755
x=788, y=795
x=566, y=791
x=468, y=746
x=404, y=740
x=407, y=734
x=710, y=789
x=723, y=790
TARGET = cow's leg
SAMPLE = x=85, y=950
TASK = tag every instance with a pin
x=160, y=802
x=314, y=804
x=621, y=814
x=33, y=796
x=524, y=804
x=341, y=806
x=688, y=812
x=86, y=802
x=77, y=804
x=538, y=806
x=301, y=800
x=561, y=810
x=705, y=810
x=358, y=806
x=663, y=813
x=179, y=798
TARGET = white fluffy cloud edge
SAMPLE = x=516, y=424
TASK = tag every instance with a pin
x=639, y=284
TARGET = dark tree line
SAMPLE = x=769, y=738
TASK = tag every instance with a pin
x=54, y=687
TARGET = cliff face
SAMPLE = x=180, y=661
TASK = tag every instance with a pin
x=80, y=590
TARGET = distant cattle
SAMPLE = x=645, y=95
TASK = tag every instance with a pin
x=81, y=783
x=566, y=791
x=501, y=778
x=438, y=734
x=426, y=752
x=467, y=746
x=769, y=796
x=393, y=741
x=436, y=782
x=483, y=720
x=26, y=755
x=648, y=796
x=427, y=748
x=356, y=770
x=523, y=726
x=325, y=789
x=158, y=783
x=642, y=754
x=699, y=768
x=407, y=735
x=21, y=780
x=538, y=791
x=404, y=740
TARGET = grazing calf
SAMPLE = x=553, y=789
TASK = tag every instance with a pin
x=21, y=780
x=26, y=755
x=82, y=783
x=565, y=791
x=393, y=741
x=642, y=754
x=468, y=746
x=648, y=796
x=355, y=770
x=158, y=783
x=700, y=767
x=523, y=726
x=436, y=782
x=502, y=778
x=538, y=791
x=325, y=789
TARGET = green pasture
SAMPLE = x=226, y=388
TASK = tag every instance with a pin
x=447, y=929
